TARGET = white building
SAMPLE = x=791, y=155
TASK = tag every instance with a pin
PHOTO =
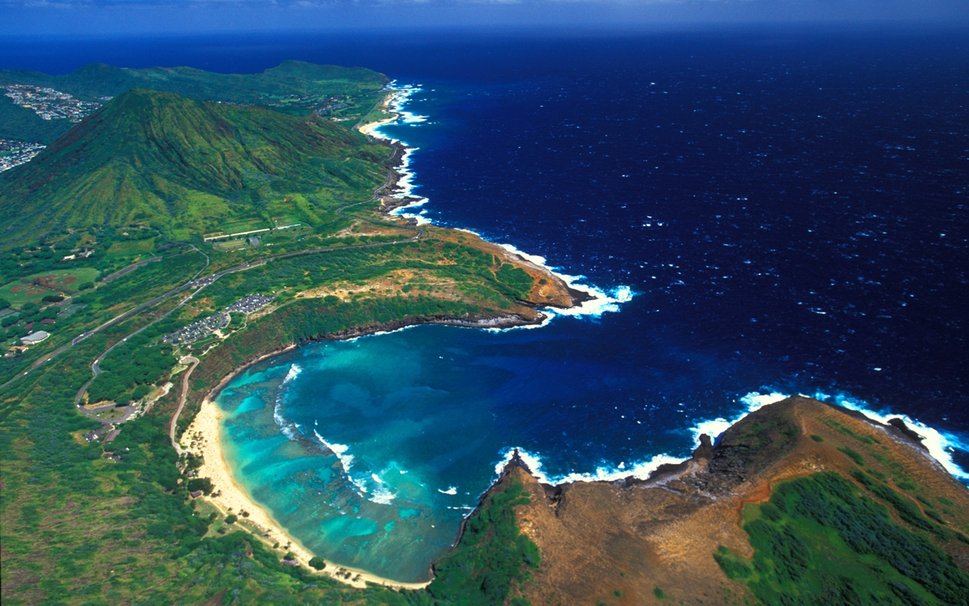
x=35, y=337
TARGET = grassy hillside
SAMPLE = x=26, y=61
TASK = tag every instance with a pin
x=294, y=87
x=188, y=167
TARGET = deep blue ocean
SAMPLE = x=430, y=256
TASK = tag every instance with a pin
x=789, y=208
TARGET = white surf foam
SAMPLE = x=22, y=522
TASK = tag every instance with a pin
x=382, y=497
x=372, y=488
x=639, y=470
x=940, y=444
x=752, y=400
x=379, y=333
x=451, y=490
x=338, y=450
x=292, y=373
x=381, y=494
x=600, y=300
x=289, y=429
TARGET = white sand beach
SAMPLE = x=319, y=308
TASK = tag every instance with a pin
x=202, y=438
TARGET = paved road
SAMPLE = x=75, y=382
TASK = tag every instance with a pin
x=96, y=365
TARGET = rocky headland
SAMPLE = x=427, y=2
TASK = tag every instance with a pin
x=673, y=536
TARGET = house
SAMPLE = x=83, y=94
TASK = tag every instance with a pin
x=35, y=337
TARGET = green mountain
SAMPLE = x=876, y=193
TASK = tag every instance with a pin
x=187, y=167
x=293, y=87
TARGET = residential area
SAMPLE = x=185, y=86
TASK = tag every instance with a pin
x=14, y=153
x=200, y=329
x=50, y=104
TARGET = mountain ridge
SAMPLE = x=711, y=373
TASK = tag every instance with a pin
x=293, y=87
x=184, y=166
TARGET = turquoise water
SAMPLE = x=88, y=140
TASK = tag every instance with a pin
x=368, y=469
x=371, y=451
x=788, y=221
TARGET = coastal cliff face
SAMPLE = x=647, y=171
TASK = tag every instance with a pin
x=746, y=520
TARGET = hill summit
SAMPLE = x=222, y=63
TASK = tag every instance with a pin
x=186, y=166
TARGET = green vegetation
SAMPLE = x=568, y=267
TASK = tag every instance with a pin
x=819, y=541
x=293, y=87
x=904, y=508
x=853, y=455
x=732, y=565
x=123, y=373
x=187, y=167
x=126, y=198
x=492, y=557
x=131, y=248
x=34, y=288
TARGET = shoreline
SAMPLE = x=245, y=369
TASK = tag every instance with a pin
x=203, y=438
x=586, y=299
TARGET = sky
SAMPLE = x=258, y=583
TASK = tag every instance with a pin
x=99, y=17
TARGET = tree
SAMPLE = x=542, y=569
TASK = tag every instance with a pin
x=317, y=563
